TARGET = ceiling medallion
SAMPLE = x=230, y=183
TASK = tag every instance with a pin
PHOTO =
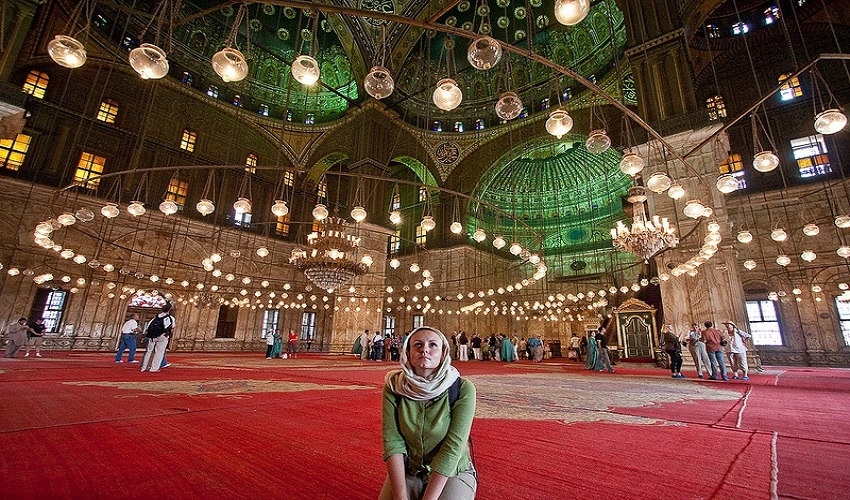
x=447, y=153
x=382, y=6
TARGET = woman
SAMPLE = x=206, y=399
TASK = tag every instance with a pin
x=592, y=352
x=673, y=347
x=536, y=346
x=507, y=353
x=277, y=345
x=425, y=437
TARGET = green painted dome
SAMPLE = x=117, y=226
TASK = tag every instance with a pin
x=568, y=196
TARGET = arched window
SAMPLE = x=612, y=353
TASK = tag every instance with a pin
x=479, y=124
x=544, y=104
x=264, y=109
x=108, y=111
x=187, y=78
x=36, y=84
x=421, y=236
x=716, y=107
x=237, y=100
x=395, y=204
x=394, y=243
x=13, y=152
x=251, y=163
x=177, y=191
x=90, y=165
x=712, y=30
x=187, y=142
x=423, y=193
x=458, y=127
x=734, y=165
x=212, y=91
x=310, y=119
x=437, y=126
x=322, y=189
x=282, y=226
x=790, y=87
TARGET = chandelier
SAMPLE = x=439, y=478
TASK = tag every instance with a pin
x=330, y=260
x=646, y=237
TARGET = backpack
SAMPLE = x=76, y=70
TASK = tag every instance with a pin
x=156, y=327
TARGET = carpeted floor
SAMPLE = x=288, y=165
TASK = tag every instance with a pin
x=77, y=425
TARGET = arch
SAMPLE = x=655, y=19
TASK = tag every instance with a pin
x=423, y=174
x=324, y=164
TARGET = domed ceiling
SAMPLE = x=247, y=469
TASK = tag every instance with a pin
x=561, y=191
x=272, y=34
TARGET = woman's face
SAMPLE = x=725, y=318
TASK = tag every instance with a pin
x=425, y=352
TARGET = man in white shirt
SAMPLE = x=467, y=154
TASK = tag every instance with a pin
x=738, y=349
x=158, y=341
x=128, y=339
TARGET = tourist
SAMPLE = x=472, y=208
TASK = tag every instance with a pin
x=365, y=348
x=269, y=345
x=536, y=347
x=425, y=433
x=463, y=346
x=575, y=348
x=476, y=346
x=696, y=346
x=128, y=339
x=277, y=346
x=35, y=336
x=17, y=333
x=292, y=344
x=592, y=352
x=673, y=348
x=507, y=353
x=714, y=344
x=738, y=347
x=377, y=347
x=158, y=331
x=602, y=347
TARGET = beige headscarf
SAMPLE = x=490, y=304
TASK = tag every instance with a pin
x=406, y=382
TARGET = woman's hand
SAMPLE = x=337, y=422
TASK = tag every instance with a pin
x=398, y=481
x=436, y=483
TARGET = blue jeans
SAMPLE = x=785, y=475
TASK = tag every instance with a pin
x=128, y=341
x=717, y=359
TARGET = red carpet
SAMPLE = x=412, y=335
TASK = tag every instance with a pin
x=239, y=426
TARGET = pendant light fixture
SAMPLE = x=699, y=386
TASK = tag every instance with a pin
x=67, y=50
x=484, y=52
x=764, y=160
x=379, y=83
x=447, y=95
x=571, y=12
x=229, y=63
x=829, y=118
x=305, y=68
x=148, y=59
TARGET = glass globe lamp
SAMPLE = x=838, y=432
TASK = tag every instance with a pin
x=559, y=123
x=484, y=53
x=631, y=164
x=168, y=207
x=395, y=263
x=67, y=253
x=242, y=205
x=843, y=251
x=713, y=226
x=447, y=96
x=149, y=61
x=842, y=221
x=395, y=217
x=205, y=207
x=571, y=12
x=320, y=212
x=230, y=65
x=66, y=51
x=765, y=161
x=707, y=212
x=136, y=208
x=811, y=230
x=279, y=209
x=305, y=70
x=358, y=213
x=262, y=252
x=745, y=236
x=515, y=248
x=80, y=258
x=499, y=242
x=66, y=219
x=658, y=182
x=479, y=235
x=428, y=223
x=509, y=106
x=727, y=183
x=84, y=215
x=456, y=227
x=808, y=255
x=367, y=260
x=414, y=268
x=750, y=264
x=783, y=260
x=597, y=142
x=778, y=234
x=829, y=121
x=694, y=209
x=676, y=191
x=378, y=82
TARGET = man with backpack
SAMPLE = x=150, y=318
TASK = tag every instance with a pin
x=158, y=331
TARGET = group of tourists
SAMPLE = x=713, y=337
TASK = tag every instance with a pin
x=710, y=349
x=24, y=334
x=274, y=345
x=378, y=347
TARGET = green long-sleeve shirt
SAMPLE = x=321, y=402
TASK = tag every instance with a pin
x=433, y=435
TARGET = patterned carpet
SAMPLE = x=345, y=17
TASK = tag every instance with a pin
x=240, y=426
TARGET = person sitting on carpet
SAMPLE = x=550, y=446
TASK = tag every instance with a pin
x=427, y=415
